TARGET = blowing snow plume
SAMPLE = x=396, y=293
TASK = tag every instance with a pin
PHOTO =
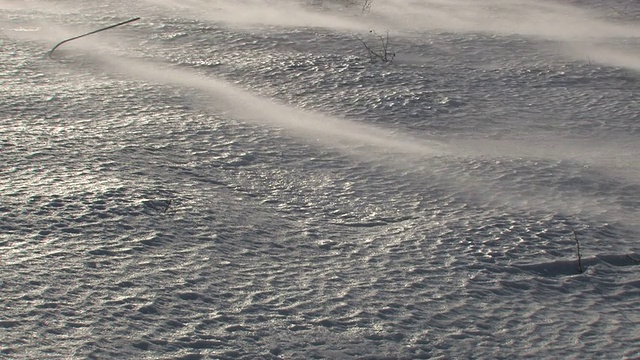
x=583, y=33
x=253, y=13
x=395, y=149
x=310, y=125
x=314, y=127
x=542, y=19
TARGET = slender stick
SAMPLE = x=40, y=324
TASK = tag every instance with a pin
x=92, y=32
x=575, y=236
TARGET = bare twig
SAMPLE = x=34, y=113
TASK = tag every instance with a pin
x=372, y=54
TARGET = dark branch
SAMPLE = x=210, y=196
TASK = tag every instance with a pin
x=89, y=33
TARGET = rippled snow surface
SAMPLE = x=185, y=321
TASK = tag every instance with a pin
x=187, y=187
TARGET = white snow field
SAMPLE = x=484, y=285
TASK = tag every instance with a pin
x=238, y=180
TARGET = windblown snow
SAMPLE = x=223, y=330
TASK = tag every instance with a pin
x=242, y=180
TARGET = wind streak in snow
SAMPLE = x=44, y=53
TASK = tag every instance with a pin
x=249, y=107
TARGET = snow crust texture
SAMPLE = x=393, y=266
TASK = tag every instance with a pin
x=193, y=186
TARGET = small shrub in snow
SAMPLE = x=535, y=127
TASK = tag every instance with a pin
x=377, y=47
x=366, y=6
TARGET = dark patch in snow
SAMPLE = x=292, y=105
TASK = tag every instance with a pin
x=570, y=267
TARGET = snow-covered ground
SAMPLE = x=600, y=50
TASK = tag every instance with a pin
x=237, y=180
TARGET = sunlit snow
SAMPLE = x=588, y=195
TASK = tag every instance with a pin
x=239, y=180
